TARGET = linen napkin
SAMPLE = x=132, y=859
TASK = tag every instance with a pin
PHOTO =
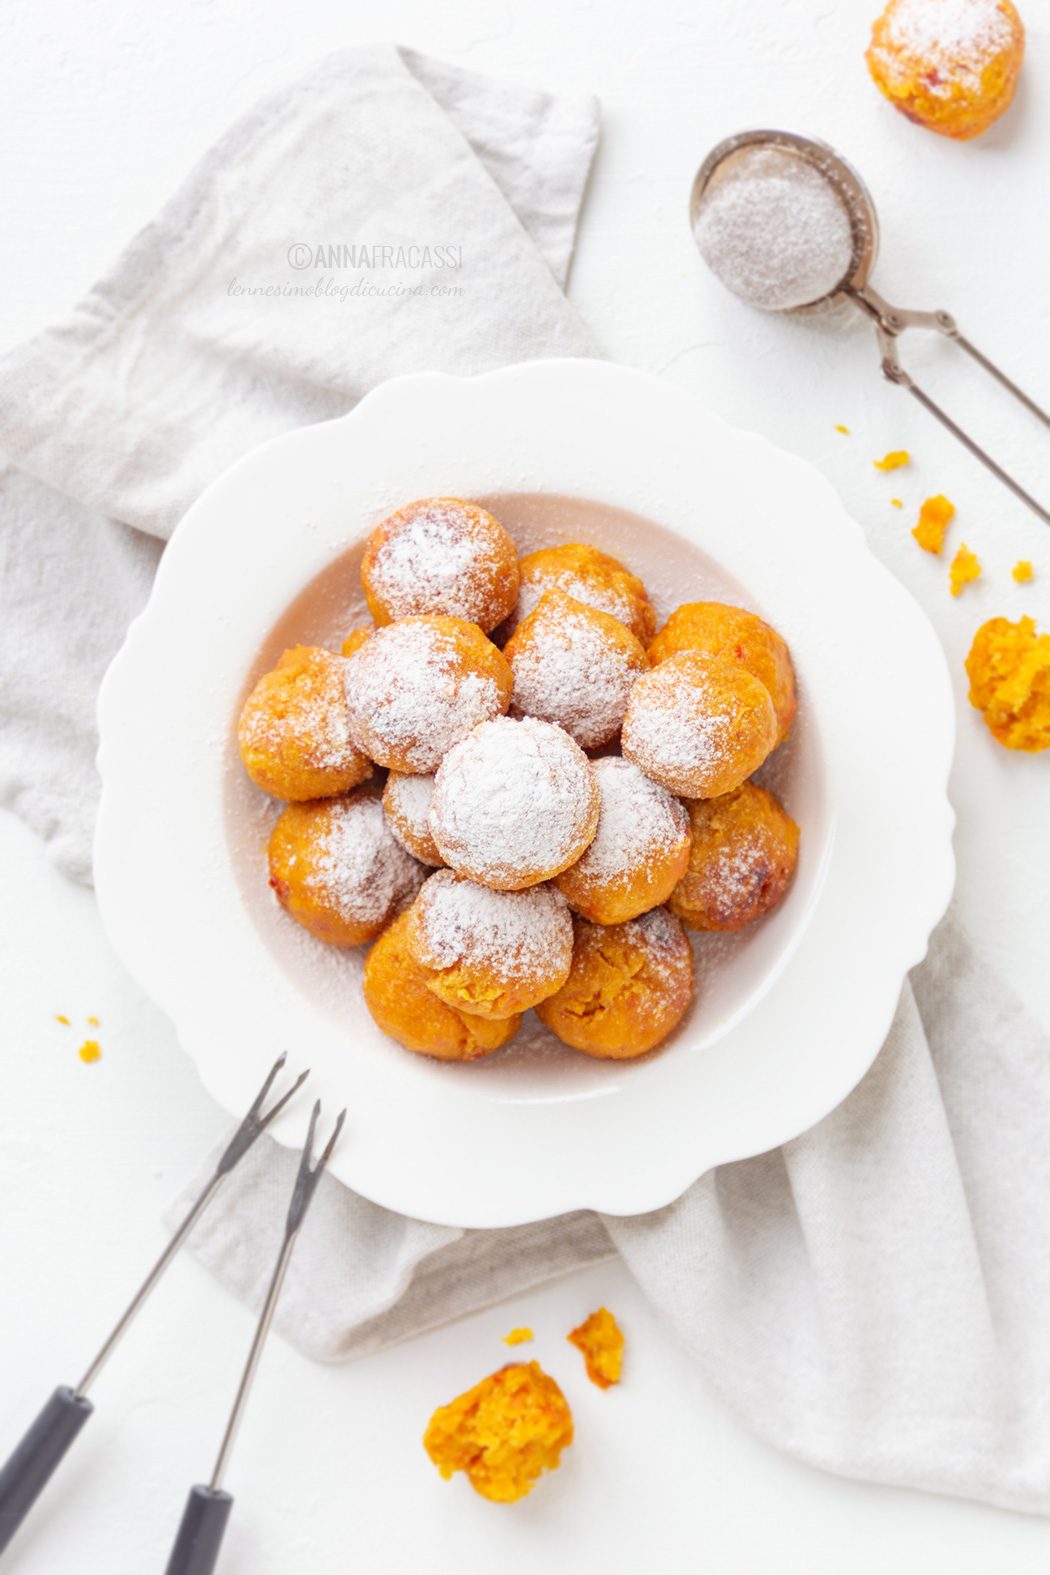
x=872, y=1296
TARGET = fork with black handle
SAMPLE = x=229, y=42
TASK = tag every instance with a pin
x=207, y=1511
x=35, y=1458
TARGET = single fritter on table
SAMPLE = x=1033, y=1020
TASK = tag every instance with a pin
x=950, y=65
x=503, y=1433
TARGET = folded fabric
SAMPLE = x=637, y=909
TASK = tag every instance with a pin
x=872, y=1296
x=205, y=339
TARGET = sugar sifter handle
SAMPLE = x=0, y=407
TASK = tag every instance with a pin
x=33, y=1461
x=196, y=1550
x=890, y=322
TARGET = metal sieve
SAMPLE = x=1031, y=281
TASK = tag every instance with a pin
x=889, y=321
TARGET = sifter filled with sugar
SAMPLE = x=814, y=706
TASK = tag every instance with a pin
x=787, y=224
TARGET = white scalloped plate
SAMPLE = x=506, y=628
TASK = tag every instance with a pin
x=787, y=1019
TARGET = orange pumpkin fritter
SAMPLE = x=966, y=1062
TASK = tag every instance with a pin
x=440, y=555
x=416, y=687
x=719, y=629
x=600, y=1339
x=640, y=851
x=588, y=576
x=1009, y=672
x=337, y=869
x=503, y=1433
x=397, y=995
x=744, y=852
x=493, y=953
x=294, y=729
x=698, y=724
x=950, y=65
x=629, y=986
x=574, y=666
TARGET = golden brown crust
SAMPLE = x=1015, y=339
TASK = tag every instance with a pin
x=294, y=731
x=720, y=629
x=629, y=987
x=396, y=994
x=745, y=849
x=504, y=1432
x=698, y=724
x=440, y=555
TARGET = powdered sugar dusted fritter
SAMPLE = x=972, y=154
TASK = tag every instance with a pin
x=417, y=687
x=640, y=850
x=514, y=804
x=494, y=952
x=574, y=665
x=441, y=555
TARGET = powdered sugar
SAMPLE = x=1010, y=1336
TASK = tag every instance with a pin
x=604, y=598
x=409, y=697
x=514, y=934
x=677, y=729
x=513, y=803
x=775, y=230
x=358, y=868
x=639, y=823
x=441, y=556
x=301, y=706
x=952, y=41
x=571, y=670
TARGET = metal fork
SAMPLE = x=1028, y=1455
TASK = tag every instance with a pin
x=35, y=1458
x=207, y=1511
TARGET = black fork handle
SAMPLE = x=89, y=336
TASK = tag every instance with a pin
x=196, y=1550
x=33, y=1461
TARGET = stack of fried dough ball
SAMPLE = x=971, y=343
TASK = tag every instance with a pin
x=519, y=791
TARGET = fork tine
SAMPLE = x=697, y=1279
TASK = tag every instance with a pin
x=257, y=1102
x=310, y=1174
x=264, y=1121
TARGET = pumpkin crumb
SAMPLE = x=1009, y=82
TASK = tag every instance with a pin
x=1009, y=672
x=965, y=567
x=600, y=1339
x=894, y=460
x=60, y=1017
x=90, y=1051
x=897, y=503
x=935, y=515
x=840, y=428
x=503, y=1433
x=1022, y=571
x=94, y=1022
x=517, y=1337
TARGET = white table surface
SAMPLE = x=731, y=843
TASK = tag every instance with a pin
x=102, y=109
